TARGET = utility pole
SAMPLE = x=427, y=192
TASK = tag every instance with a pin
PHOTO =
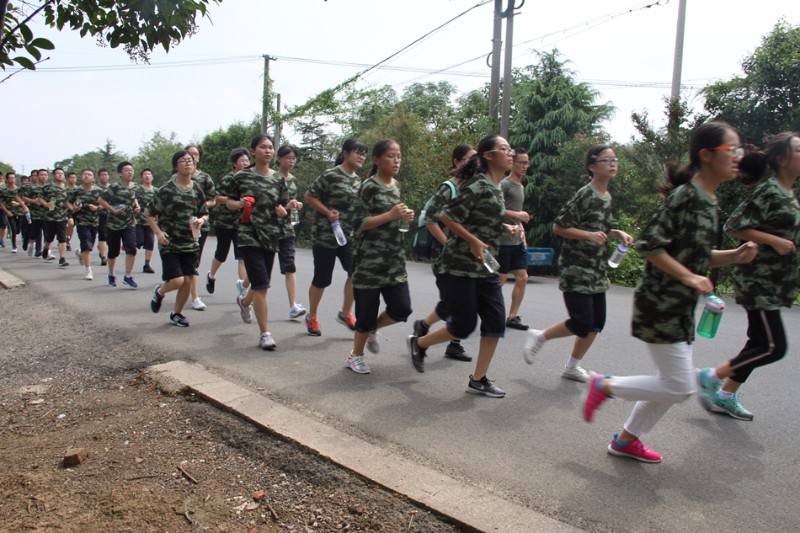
x=266, y=99
x=278, y=123
x=675, y=95
x=494, y=60
x=507, y=78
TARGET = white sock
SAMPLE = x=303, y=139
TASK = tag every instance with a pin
x=713, y=375
x=725, y=395
x=211, y=276
x=540, y=336
x=573, y=363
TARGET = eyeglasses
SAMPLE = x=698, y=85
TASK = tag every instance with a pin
x=507, y=151
x=609, y=160
x=522, y=163
x=186, y=161
x=735, y=150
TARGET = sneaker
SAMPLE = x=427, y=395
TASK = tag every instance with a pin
x=79, y=256
x=728, y=406
x=266, y=342
x=245, y=310
x=532, y=346
x=50, y=256
x=69, y=247
x=198, y=305
x=707, y=384
x=155, y=301
x=296, y=311
x=349, y=321
x=485, y=387
x=417, y=354
x=240, y=287
x=455, y=351
x=44, y=254
x=420, y=329
x=147, y=269
x=357, y=364
x=210, y=283
x=634, y=449
x=372, y=343
x=88, y=276
x=103, y=261
x=312, y=324
x=62, y=262
x=516, y=323
x=112, y=281
x=14, y=250
x=594, y=396
x=128, y=280
x=576, y=374
x=30, y=251
x=179, y=320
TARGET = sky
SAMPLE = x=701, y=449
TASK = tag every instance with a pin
x=85, y=94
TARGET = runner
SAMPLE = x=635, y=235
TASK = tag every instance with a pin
x=103, y=177
x=144, y=235
x=83, y=202
x=13, y=206
x=72, y=185
x=210, y=192
x=287, y=159
x=55, y=218
x=119, y=199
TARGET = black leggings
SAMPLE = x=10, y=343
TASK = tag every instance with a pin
x=14, y=225
x=766, y=343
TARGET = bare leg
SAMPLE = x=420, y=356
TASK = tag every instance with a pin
x=314, y=298
x=347, y=301
x=486, y=350
x=582, y=345
x=258, y=297
x=291, y=287
x=183, y=293
x=518, y=292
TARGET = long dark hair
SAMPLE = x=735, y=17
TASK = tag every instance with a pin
x=755, y=162
x=351, y=145
x=458, y=154
x=704, y=137
x=477, y=163
x=592, y=155
x=379, y=149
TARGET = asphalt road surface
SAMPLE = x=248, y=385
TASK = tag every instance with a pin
x=532, y=446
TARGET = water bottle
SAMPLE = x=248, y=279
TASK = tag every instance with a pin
x=490, y=262
x=195, y=229
x=341, y=240
x=247, y=208
x=28, y=217
x=405, y=224
x=77, y=204
x=117, y=207
x=617, y=256
x=294, y=216
x=712, y=314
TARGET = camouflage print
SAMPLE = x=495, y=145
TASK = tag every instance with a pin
x=263, y=230
x=480, y=209
x=338, y=191
x=440, y=199
x=33, y=191
x=290, y=183
x=144, y=197
x=117, y=194
x=222, y=217
x=173, y=207
x=209, y=190
x=582, y=265
x=684, y=226
x=85, y=216
x=58, y=195
x=770, y=281
x=379, y=259
x=7, y=196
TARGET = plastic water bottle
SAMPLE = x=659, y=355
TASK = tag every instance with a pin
x=117, y=207
x=28, y=217
x=405, y=224
x=712, y=314
x=617, y=256
x=490, y=262
x=195, y=229
x=294, y=216
x=341, y=240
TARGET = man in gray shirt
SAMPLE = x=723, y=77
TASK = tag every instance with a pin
x=513, y=257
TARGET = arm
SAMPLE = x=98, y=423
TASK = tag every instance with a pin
x=621, y=235
x=476, y=246
x=316, y=203
x=522, y=216
x=743, y=254
x=161, y=236
x=671, y=266
x=780, y=245
x=597, y=237
x=437, y=233
x=398, y=211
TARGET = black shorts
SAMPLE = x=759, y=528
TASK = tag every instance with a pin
x=286, y=255
x=86, y=236
x=587, y=312
x=325, y=260
x=258, y=264
x=145, y=237
x=102, y=221
x=177, y=264
x=513, y=257
x=368, y=303
x=225, y=237
x=126, y=237
x=470, y=298
x=3, y=219
x=202, y=243
x=55, y=230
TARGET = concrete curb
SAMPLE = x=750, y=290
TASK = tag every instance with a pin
x=10, y=281
x=466, y=505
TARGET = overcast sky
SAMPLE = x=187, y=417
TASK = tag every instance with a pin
x=85, y=94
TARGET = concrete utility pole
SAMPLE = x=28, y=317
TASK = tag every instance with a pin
x=678, y=63
x=266, y=100
x=505, y=116
x=494, y=60
x=278, y=123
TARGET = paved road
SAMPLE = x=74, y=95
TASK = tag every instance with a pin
x=531, y=447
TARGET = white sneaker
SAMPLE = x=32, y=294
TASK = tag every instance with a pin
x=266, y=342
x=372, y=343
x=532, y=346
x=79, y=256
x=357, y=364
x=88, y=275
x=576, y=374
x=240, y=287
x=296, y=311
x=198, y=305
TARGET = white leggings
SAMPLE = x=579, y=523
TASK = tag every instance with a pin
x=654, y=395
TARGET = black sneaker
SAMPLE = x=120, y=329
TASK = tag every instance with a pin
x=155, y=301
x=179, y=320
x=38, y=253
x=147, y=269
x=485, y=387
x=103, y=261
x=69, y=247
x=516, y=323
x=420, y=329
x=45, y=253
x=456, y=351
x=417, y=354
x=210, y=283
x=62, y=262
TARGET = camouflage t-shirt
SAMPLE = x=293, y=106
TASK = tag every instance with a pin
x=290, y=183
x=379, y=259
x=58, y=195
x=770, y=281
x=480, y=209
x=174, y=207
x=209, y=190
x=684, y=226
x=33, y=191
x=222, y=217
x=582, y=264
x=144, y=197
x=440, y=199
x=263, y=230
x=119, y=194
x=337, y=190
x=85, y=216
x=9, y=198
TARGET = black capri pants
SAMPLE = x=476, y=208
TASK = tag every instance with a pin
x=470, y=298
x=766, y=343
x=587, y=312
x=225, y=237
x=368, y=302
x=258, y=264
x=55, y=230
x=325, y=260
x=145, y=237
x=86, y=236
x=126, y=237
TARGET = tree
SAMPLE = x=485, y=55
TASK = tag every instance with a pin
x=4, y=167
x=138, y=26
x=766, y=100
x=156, y=154
x=105, y=156
x=218, y=144
x=432, y=103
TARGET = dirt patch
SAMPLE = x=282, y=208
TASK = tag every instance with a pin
x=156, y=462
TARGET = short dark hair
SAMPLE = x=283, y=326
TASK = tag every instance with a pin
x=123, y=165
x=145, y=170
x=236, y=153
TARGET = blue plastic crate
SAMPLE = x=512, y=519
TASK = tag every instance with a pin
x=540, y=256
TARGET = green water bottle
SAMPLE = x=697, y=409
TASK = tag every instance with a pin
x=712, y=314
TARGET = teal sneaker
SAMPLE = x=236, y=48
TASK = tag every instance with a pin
x=729, y=406
x=706, y=383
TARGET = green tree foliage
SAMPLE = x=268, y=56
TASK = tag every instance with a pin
x=156, y=154
x=766, y=100
x=218, y=144
x=5, y=167
x=138, y=26
x=105, y=156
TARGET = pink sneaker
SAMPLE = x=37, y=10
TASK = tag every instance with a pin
x=634, y=449
x=349, y=321
x=594, y=397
